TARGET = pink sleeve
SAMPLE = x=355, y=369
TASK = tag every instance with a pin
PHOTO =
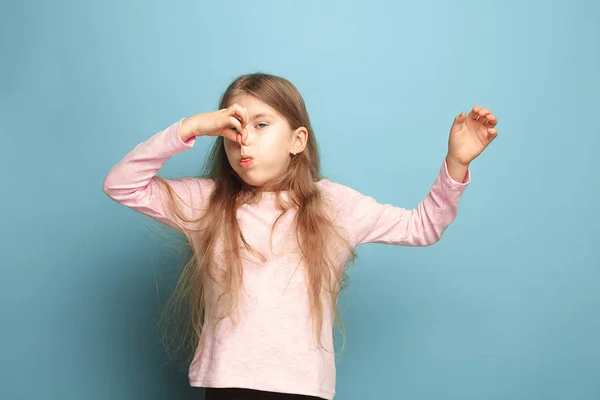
x=368, y=221
x=131, y=181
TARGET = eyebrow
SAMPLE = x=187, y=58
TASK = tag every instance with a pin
x=261, y=115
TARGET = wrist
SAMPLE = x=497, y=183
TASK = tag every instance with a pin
x=187, y=129
x=450, y=158
x=456, y=169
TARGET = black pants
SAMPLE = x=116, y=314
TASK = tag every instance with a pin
x=249, y=394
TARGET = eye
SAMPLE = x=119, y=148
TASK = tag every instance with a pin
x=261, y=125
x=233, y=128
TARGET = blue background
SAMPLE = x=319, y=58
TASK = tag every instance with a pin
x=504, y=307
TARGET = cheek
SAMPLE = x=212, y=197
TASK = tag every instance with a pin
x=230, y=152
x=229, y=146
x=276, y=146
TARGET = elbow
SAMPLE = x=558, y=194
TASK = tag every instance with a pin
x=433, y=238
x=114, y=188
x=431, y=233
x=125, y=192
x=432, y=227
x=426, y=238
x=108, y=187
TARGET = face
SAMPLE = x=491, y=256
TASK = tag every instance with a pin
x=270, y=144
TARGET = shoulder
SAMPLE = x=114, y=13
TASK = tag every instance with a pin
x=336, y=188
x=344, y=196
x=330, y=188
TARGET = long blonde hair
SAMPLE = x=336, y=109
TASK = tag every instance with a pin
x=206, y=291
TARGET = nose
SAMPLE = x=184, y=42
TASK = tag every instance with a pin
x=249, y=136
x=245, y=147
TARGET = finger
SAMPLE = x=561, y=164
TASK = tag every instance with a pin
x=492, y=134
x=235, y=125
x=235, y=110
x=490, y=120
x=244, y=137
x=229, y=134
x=460, y=117
x=241, y=114
x=483, y=113
x=474, y=114
x=244, y=128
x=232, y=129
x=485, y=116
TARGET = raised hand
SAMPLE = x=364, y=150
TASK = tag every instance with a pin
x=229, y=122
x=471, y=134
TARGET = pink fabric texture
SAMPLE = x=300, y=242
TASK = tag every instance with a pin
x=272, y=345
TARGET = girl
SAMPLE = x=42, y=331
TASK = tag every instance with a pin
x=271, y=239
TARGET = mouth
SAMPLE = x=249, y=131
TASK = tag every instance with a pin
x=245, y=162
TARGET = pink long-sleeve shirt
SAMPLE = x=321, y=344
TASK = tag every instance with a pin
x=272, y=346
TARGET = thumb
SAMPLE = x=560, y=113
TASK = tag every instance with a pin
x=459, y=119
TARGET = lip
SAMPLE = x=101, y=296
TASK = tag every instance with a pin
x=245, y=162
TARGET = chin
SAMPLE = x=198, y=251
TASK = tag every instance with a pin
x=251, y=179
x=253, y=182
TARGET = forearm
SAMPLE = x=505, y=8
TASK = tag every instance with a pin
x=137, y=168
x=131, y=181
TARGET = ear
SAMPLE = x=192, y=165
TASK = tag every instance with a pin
x=298, y=140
